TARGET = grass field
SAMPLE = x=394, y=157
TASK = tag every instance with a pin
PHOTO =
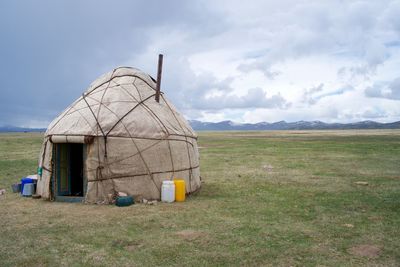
x=269, y=198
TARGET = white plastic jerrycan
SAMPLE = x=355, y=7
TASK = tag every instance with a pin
x=168, y=191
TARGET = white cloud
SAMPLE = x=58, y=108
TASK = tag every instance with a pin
x=254, y=98
x=322, y=54
x=389, y=90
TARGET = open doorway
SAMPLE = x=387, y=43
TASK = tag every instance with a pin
x=69, y=178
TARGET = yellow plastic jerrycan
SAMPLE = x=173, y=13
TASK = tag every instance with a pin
x=180, y=190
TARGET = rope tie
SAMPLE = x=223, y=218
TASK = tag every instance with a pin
x=105, y=146
x=98, y=173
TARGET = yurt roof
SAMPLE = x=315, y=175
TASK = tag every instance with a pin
x=121, y=103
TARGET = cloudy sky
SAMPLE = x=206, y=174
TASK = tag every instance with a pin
x=246, y=61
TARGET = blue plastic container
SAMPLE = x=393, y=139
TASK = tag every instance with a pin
x=26, y=181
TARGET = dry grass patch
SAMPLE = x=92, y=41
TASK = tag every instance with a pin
x=366, y=250
x=190, y=235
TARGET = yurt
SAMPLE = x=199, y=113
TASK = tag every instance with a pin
x=116, y=138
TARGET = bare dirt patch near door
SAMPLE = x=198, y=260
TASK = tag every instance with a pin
x=366, y=250
x=190, y=234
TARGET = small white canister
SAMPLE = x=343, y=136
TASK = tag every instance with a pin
x=168, y=191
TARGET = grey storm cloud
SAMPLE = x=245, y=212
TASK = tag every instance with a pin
x=52, y=50
x=388, y=90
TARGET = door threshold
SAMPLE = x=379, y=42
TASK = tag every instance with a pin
x=69, y=199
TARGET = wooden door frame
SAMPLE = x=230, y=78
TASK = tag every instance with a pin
x=55, y=180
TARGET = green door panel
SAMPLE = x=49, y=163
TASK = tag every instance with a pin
x=63, y=177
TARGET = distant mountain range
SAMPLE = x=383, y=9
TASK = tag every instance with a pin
x=283, y=125
x=9, y=128
x=280, y=125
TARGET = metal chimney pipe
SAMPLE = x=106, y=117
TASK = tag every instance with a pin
x=159, y=72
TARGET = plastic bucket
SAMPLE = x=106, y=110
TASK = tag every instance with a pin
x=29, y=190
x=25, y=181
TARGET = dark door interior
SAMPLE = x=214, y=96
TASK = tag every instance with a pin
x=76, y=169
x=70, y=180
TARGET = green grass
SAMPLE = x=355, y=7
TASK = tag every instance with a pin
x=268, y=198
